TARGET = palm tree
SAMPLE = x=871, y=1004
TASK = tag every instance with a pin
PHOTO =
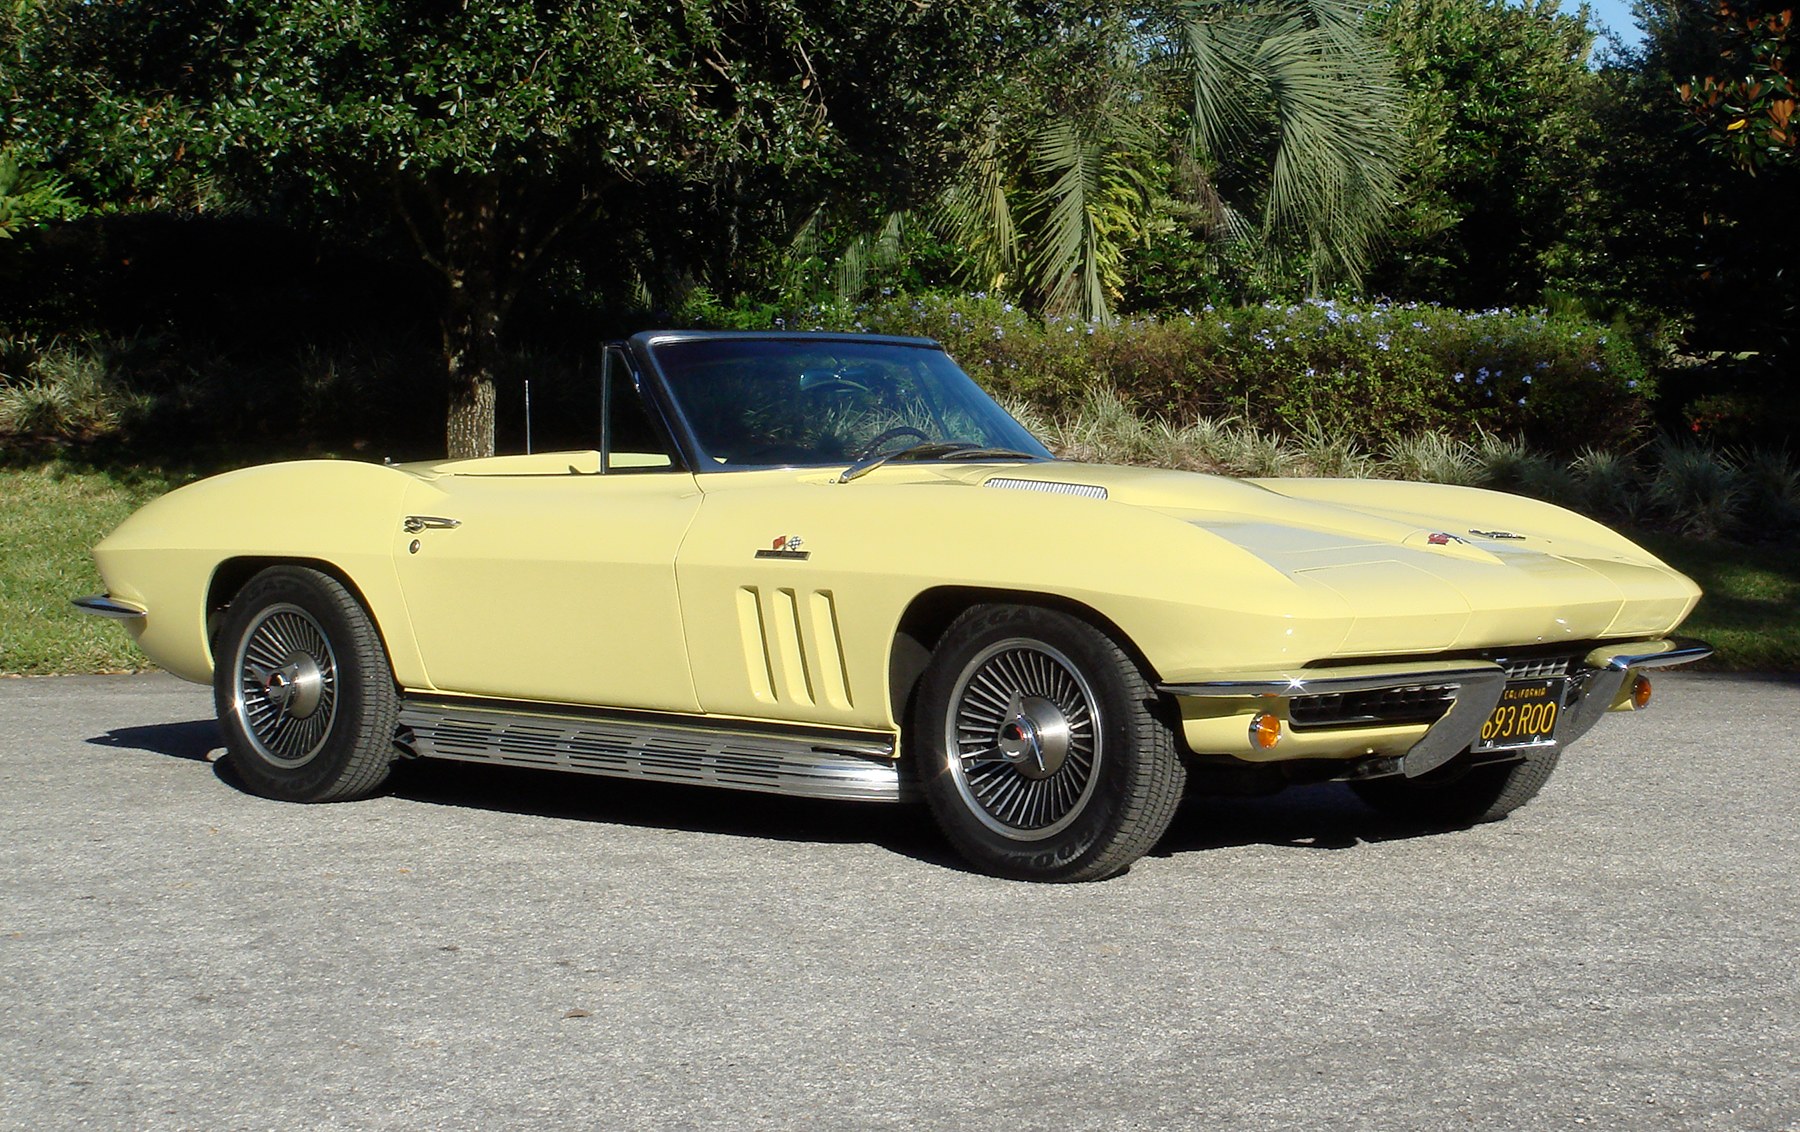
x=1290, y=127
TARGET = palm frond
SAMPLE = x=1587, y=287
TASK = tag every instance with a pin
x=975, y=211
x=1326, y=89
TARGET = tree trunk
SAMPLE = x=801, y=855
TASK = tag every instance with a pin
x=472, y=263
x=471, y=350
x=485, y=251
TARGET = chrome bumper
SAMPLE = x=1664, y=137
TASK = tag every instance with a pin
x=1477, y=684
x=105, y=605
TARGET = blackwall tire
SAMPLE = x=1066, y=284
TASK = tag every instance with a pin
x=1040, y=747
x=305, y=696
x=1457, y=794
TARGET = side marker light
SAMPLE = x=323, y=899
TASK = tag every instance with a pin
x=1265, y=730
x=1640, y=692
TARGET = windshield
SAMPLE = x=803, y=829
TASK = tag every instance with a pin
x=754, y=402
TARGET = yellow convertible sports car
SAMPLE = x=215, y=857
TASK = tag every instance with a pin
x=830, y=565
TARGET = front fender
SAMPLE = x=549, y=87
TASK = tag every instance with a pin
x=342, y=514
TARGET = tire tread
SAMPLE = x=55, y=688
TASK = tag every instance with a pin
x=368, y=686
x=1151, y=798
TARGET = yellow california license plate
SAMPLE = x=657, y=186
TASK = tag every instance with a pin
x=1524, y=717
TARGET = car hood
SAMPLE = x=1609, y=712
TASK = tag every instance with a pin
x=1423, y=566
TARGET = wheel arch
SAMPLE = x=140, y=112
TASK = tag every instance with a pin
x=931, y=612
x=230, y=576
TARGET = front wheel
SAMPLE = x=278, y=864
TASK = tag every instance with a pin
x=303, y=689
x=1459, y=794
x=1039, y=747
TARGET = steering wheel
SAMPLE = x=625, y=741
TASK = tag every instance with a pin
x=894, y=433
x=834, y=384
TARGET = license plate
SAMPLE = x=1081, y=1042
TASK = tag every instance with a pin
x=1524, y=717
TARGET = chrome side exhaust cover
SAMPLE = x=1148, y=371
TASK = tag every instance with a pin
x=806, y=763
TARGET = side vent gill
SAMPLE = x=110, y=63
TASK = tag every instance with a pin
x=1085, y=490
x=793, y=647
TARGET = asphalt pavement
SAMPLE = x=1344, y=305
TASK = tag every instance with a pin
x=487, y=947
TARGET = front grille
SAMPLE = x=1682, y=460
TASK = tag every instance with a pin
x=1536, y=667
x=1379, y=708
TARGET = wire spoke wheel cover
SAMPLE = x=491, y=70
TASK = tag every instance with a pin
x=286, y=696
x=1024, y=736
x=305, y=694
x=1041, y=746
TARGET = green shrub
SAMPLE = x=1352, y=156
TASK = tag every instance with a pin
x=1373, y=371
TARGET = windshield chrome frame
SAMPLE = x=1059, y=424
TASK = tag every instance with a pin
x=656, y=386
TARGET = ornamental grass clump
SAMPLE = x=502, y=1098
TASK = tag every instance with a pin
x=1771, y=482
x=1323, y=451
x=64, y=395
x=1432, y=457
x=1696, y=489
x=1610, y=486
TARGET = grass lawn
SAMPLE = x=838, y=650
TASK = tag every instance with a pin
x=1751, y=610
x=51, y=515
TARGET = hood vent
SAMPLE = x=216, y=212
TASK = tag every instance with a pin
x=1085, y=490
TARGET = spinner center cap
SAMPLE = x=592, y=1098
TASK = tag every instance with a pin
x=1035, y=739
x=295, y=688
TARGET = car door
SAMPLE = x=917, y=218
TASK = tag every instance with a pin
x=543, y=578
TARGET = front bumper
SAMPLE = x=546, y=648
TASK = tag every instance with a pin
x=105, y=605
x=1214, y=712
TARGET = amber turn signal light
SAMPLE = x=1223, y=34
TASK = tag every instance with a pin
x=1640, y=692
x=1265, y=730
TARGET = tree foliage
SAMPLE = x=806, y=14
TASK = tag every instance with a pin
x=30, y=197
x=487, y=130
x=1746, y=106
x=1267, y=128
x=1502, y=125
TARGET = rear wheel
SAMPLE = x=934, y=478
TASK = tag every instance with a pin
x=303, y=689
x=1459, y=794
x=1039, y=748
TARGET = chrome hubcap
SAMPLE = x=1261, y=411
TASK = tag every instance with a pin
x=1023, y=737
x=286, y=696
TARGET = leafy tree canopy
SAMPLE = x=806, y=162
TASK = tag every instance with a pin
x=1503, y=138
x=1747, y=103
x=486, y=129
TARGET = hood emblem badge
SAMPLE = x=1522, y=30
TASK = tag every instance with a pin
x=786, y=547
x=1494, y=534
x=1440, y=538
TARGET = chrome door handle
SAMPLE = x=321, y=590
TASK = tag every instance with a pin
x=416, y=523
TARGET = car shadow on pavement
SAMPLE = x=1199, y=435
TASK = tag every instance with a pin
x=193, y=740
x=904, y=830
x=1326, y=816
x=1322, y=816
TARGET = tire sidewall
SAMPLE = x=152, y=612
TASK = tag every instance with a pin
x=326, y=601
x=1098, y=822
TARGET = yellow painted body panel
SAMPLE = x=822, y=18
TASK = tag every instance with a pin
x=646, y=590
x=343, y=514
x=554, y=587
x=874, y=544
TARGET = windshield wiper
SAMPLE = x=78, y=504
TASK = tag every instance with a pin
x=979, y=453
x=941, y=449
